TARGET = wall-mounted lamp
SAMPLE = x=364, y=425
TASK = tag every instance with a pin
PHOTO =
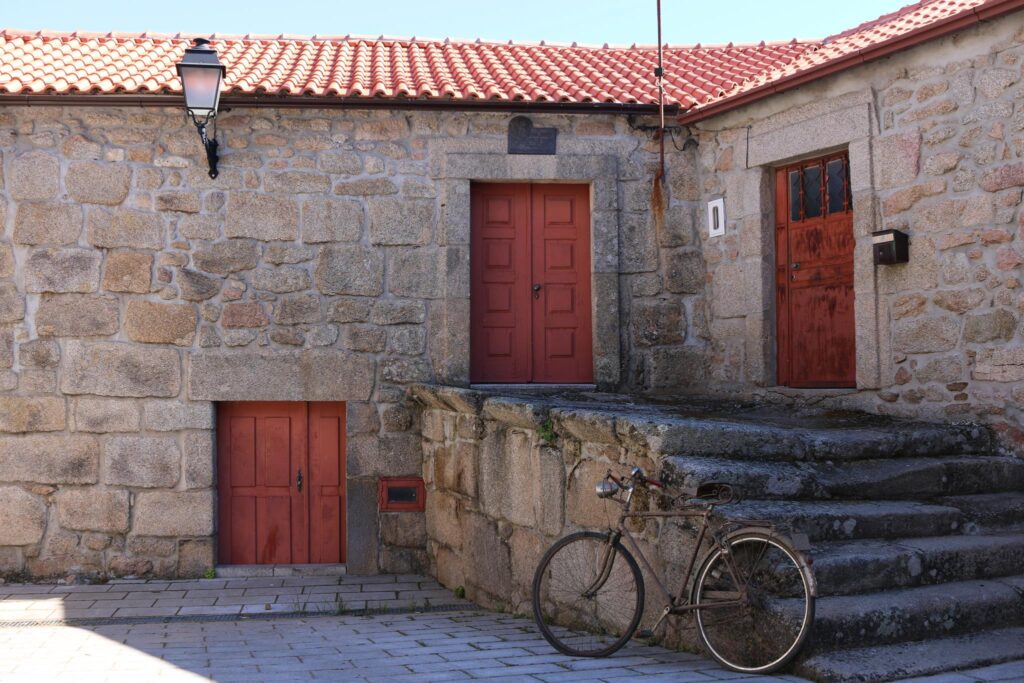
x=201, y=74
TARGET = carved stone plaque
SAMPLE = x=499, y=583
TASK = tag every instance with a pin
x=523, y=138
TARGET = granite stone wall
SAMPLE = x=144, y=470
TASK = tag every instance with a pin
x=327, y=262
x=934, y=137
x=506, y=477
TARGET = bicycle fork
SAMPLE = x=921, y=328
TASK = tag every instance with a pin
x=606, y=565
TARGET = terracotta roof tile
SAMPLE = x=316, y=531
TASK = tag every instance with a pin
x=69, y=63
x=407, y=68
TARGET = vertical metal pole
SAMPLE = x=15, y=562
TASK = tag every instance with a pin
x=661, y=95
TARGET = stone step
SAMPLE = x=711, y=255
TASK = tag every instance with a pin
x=246, y=571
x=989, y=511
x=898, y=478
x=712, y=428
x=849, y=520
x=920, y=658
x=910, y=614
x=772, y=437
x=863, y=566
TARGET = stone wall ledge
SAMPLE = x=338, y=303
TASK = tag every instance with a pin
x=704, y=427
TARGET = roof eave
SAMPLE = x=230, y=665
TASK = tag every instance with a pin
x=279, y=101
x=921, y=35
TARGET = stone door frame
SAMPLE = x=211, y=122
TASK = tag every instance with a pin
x=771, y=145
x=600, y=172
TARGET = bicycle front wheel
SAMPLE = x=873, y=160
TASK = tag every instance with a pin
x=763, y=631
x=588, y=595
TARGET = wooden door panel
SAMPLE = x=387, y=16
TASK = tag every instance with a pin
x=824, y=340
x=274, y=530
x=327, y=482
x=238, y=530
x=561, y=322
x=814, y=275
x=243, y=450
x=500, y=283
x=274, y=436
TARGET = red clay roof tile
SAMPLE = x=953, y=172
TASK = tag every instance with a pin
x=696, y=77
x=70, y=63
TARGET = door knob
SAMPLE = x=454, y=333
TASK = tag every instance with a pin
x=794, y=266
x=298, y=480
x=536, y=291
x=536, y=288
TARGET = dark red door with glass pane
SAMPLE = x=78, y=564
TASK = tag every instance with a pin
x=814, y=274
x=530, y=318
x=281, y=482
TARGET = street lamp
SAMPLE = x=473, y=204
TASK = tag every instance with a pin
x=201, y=74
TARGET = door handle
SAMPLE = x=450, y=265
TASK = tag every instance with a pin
x=794, y=266
x=298, y=480
x=536, y=291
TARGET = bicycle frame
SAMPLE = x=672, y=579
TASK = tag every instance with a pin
x=679, y=604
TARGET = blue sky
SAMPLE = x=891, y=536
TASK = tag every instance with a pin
x=586, y=21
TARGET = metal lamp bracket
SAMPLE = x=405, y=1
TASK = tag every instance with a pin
x=209, y=144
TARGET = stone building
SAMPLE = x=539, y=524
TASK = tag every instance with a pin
x=178, y=351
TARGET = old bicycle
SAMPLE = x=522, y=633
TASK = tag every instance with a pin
x=752, y=596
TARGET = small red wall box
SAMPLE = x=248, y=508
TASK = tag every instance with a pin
x=401, y=494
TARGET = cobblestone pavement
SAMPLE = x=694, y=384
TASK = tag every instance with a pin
x=240, y=644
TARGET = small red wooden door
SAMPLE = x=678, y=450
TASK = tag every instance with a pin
x=530, y=284
x=814, y=274
x=280, y=468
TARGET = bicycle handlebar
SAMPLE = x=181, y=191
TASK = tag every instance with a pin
x=638, y=477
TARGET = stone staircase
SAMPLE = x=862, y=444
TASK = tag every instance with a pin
x=917, y=530
x=917, y=534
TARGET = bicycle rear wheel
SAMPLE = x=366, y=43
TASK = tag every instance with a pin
x=583, y=606
x=766, y=631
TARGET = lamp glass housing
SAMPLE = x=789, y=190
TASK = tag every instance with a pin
x=201, y=84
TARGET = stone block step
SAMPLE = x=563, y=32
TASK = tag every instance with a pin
x=797, y=438
x=878, y=479
x=245, y=571
x=919, y=613
x=843, y=568
x=707, y=427
x=849, y=520
x=989, y=511
x=920, y=658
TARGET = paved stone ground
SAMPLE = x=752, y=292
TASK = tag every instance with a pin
x=147, y=643
x=438, y=646
x=124, y=598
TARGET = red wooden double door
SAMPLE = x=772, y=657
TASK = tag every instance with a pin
x=281, y=482
x=814, y=274
x=530, y=301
